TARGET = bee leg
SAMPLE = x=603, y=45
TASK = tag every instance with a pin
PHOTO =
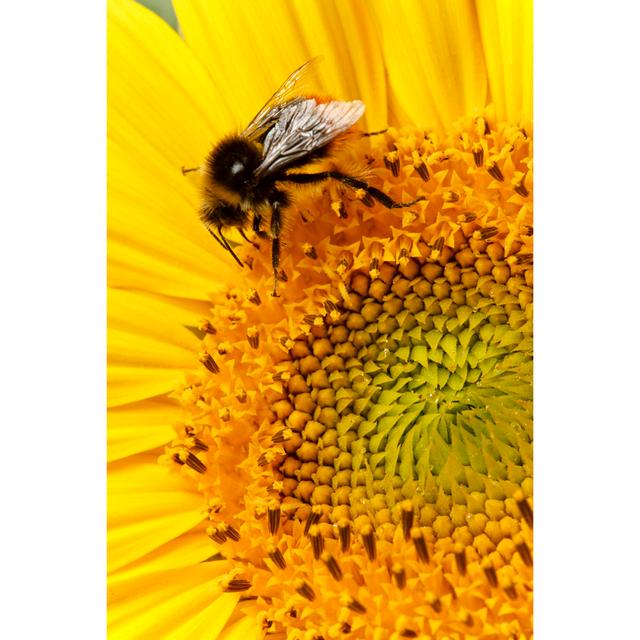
x=227, y=246
x=354, y=183
x=277, y=201
x=255, y=245
x=275, y=261
x=186, y=170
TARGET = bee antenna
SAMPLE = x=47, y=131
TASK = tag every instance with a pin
x=368, y=134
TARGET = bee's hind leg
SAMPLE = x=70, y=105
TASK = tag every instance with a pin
x=354, y=183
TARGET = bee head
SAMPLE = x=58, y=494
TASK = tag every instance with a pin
x=233, y=162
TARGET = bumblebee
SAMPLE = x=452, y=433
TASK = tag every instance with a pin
x=248, y=176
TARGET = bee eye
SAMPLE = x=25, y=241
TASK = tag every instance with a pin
x=236, y=168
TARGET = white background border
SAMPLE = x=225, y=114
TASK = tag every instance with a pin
x=53, y=329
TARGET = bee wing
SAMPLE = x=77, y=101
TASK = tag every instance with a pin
x=304, y=127
x=273, y=107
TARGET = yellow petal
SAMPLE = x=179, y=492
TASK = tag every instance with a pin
x=247, y=628
x=180, y=603
x=158, y=86
x=507, y=38
x=147, y=506
x=351, y=64
x=149, y=346
x=137, y=427
x=433, y=52
x=156, y=240
x=235, y=40
x=163, y=113
x=187, y=550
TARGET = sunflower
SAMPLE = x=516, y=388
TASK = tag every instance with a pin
x=352, y=459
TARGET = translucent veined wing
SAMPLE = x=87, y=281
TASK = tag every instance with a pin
x=303, y=127
x=277, y=102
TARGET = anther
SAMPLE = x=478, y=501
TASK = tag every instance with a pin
x=339, y=208
x=523, y=550
x=344, y=533
x=191, y=461
x=198, y=445
x=420, y=544
x=304, y=589
x=282, y=436
x=345, y=628
x=408, y=633
x=209, y=362
x=478, y=154
x=434, y=602
x=265, y=458
x=399, y=575
x=510, y=590
x=488, y=232
x=524, y=258
x=495, y=171
x=253, y=336
x=374, y=268
x=366, y=199
x=276, y=556
x=237, y=584
x=520, y=189
x=309, y=250
x=317, y=541
x=368, y=538
x=273, y=517
x=253, y=296
x=490, y=572
x=524, y=507
x=438, y=244
x=217, y=534
x=451, y=196
x=420, y=166
x=313, y=518
x=232, y=532
x=392, y=162
x=356, y=606
x=461, y=558
x=407, y=518
x=333, y=566
x=206, y=327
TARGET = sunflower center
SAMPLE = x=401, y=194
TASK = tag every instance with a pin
x=364, y=442
x=417, y=386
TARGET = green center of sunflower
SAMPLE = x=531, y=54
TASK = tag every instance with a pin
x=416, y=387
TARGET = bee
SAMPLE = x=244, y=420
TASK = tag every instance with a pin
x=248, y=178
